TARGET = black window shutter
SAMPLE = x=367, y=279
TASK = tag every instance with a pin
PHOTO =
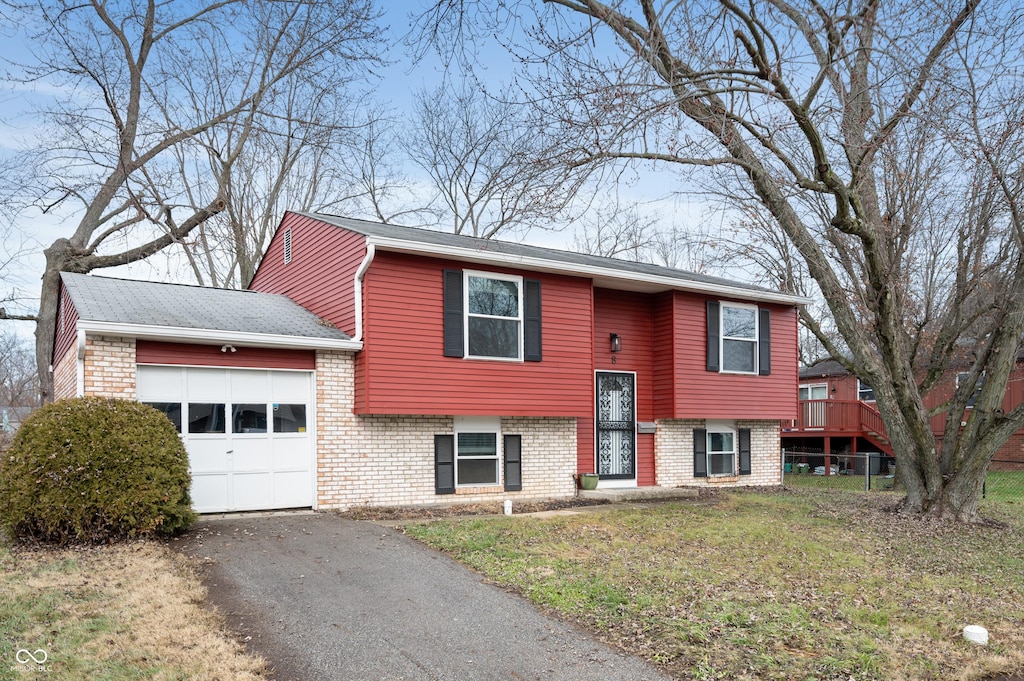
x=700, y=453
x=764, y=342
x=744, y=434
x=444, y=464
x=531, y=321
x=713, y=362
x=453, y=320
x=513, y=446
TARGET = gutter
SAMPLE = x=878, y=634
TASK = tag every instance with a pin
x=80, y=364
x=209, y=336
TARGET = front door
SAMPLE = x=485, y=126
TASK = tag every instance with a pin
x=616, y=425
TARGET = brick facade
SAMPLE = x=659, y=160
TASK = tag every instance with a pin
x=110, y=367
x=674, y=454
x=389, y=460
x=65, y=375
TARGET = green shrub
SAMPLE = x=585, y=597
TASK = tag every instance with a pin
x=94, y=470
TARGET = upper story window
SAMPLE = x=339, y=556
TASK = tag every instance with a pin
x=491, y=316
x=494, y=316
x=739, y=338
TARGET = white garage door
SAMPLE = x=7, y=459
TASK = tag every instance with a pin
x=248, y=433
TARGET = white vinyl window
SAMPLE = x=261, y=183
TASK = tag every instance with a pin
x=739, y=338
x=721, y=450
x=477, y=451
x=494, y=316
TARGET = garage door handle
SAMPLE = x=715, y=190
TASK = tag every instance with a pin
x=230, y=451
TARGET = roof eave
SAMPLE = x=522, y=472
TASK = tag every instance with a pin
x=606, y=275
x=179, y=334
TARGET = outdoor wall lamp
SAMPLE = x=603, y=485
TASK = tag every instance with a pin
x=227, y=348
x=616, y=342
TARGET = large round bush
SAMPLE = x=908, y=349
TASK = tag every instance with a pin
x=93, y=470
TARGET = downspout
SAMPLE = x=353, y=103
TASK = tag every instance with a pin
x=80, y=366
x=360, y=273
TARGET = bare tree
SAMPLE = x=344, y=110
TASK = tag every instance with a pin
x=488, y=163
x=148, y=87
x=882, y=139
x=19, y=381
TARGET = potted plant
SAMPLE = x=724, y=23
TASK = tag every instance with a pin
x=588, y=481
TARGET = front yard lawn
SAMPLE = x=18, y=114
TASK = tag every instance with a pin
x=129, y=611
x=798, y=584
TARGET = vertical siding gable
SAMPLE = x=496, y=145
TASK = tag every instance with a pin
x=67, y=322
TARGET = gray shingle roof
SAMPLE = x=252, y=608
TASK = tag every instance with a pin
x=146, y=303
x=560, y=257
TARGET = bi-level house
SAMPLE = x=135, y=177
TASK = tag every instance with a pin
x=385, y=365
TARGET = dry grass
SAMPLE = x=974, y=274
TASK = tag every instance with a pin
x=789, y=585
x=130, y=611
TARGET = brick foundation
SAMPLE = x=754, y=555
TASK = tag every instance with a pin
x=673, y=446
x=389, y=460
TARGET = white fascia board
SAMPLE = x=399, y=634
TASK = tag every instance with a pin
x=177, y=334
x=588, y=271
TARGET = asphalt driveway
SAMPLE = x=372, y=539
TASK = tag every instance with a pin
x=324, y=598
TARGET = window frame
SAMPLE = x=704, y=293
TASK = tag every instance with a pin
x=721, y=429
x=755, y=341
x=809, y=387
x=466, y=315
x=476, y=425
x=863, y=387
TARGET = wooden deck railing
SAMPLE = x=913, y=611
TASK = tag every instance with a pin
x=844, y=416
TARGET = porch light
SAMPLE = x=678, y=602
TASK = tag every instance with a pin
x=616, y=342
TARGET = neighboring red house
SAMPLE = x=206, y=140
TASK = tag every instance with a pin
x=480, y=369
x=837, y=414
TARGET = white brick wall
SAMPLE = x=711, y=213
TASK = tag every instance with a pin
x=389, y=460
x=673, y=446
x=110, y=367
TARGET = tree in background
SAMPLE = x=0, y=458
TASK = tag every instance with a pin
x=158, y=103
x=880, y=142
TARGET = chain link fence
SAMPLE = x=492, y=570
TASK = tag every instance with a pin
x=876, y=471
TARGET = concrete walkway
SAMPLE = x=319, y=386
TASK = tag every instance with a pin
x=324, y=598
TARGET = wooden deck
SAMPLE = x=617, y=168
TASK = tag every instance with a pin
x=838, y=418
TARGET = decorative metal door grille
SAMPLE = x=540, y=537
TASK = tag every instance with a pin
x=616, y=425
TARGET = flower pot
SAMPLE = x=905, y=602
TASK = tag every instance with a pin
x=588, y=481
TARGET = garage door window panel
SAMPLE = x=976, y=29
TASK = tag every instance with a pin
x=172, y=410
x=205, y=417
x=249, y=418
x=289, y=418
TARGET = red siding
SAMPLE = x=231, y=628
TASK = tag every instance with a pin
x=710, y=395
x=664, y=354
x=67, y=322
x=156, y=352
x=402, y=368
x=631, y=316
x=321, y=274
